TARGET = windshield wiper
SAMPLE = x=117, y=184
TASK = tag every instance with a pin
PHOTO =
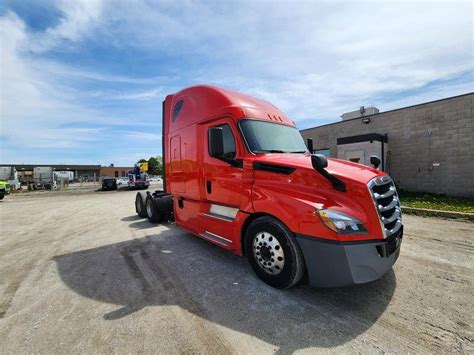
x=279, y=151
x=269, y=151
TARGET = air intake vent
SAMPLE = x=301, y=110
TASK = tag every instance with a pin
x=387, y=203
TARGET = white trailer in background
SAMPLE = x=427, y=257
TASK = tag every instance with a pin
x=66, y=174
x=10, y=175
x=44, y=177
x=360, y=149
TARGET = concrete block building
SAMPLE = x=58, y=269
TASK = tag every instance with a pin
x=115, y=171
x=427, y=147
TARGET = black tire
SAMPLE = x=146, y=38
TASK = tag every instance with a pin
x=2, y=195
x=293, y=267
x=152, y=212
x=140, y=204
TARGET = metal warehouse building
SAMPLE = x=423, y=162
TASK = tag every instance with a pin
x=427, y=147
x=87, y=172
x=81, y=172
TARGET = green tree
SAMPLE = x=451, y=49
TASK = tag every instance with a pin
x=160, y=163
x=153, y=166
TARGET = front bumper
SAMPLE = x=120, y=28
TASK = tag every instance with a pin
x=139, y=184
x=109, y=187
x=336, y=264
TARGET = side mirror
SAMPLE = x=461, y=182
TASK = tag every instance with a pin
x=216, y=142
x=309, y=144
x=319, y=161
x=375, y=161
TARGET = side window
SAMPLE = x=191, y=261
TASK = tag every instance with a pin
x=177, y=109
x=229, y=141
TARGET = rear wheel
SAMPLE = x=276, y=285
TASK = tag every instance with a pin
x=140, y=204
x=273, y=253
x=152, y=212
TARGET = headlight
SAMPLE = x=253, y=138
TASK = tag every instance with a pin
x=341, y=223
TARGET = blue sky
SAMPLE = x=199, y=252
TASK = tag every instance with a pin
x=83, y=81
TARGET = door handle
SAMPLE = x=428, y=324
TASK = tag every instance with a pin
x=209, y=186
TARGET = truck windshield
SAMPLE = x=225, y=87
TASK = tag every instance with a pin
x=268, y=137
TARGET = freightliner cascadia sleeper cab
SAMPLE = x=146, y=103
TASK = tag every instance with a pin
x=239, y=174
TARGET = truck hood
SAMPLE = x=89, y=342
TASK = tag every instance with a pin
x=343, y=169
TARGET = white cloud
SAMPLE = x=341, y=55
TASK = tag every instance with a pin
x=314, y=60
x=79, y=19
x=65, y=72
x=32, y=108
x=335, y=58
x=155, y=93
x=317, y=59
x=38, y=103
x=143, y=136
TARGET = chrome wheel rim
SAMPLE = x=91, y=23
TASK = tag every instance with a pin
x=268, y=252
x=149, y=208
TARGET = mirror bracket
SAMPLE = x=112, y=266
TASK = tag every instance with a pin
x=319, y=163
x=309, y=145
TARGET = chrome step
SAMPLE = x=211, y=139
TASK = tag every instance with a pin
x=215, y=238
x=217, y=216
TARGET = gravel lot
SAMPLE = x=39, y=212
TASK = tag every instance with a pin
x=79, y=272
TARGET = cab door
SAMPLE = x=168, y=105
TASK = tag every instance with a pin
x=222, y=184
x=223, y=181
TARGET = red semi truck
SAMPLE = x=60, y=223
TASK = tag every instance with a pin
x=239, y=174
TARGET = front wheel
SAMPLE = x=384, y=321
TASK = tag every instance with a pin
x=273, y=253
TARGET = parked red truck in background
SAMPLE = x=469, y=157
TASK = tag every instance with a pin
x=238, y=174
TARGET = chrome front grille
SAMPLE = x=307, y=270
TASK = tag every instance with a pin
x=386, y=202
